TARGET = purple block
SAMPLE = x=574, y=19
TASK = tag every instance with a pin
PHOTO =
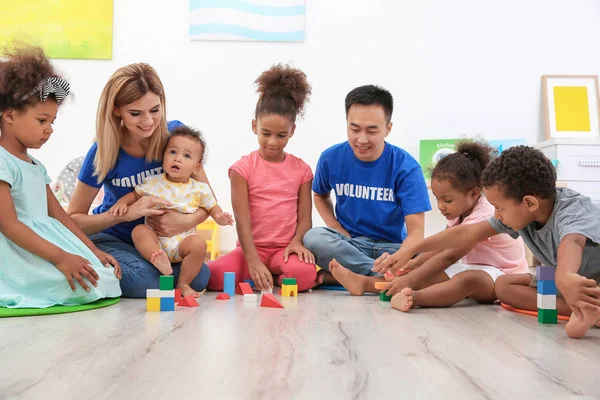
x=544, y=273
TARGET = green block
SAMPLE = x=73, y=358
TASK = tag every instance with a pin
x=166, y=283
x=288, y=281
x=384, y=297
x=547, y=316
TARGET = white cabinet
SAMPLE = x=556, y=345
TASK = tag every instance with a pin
x=578, y=164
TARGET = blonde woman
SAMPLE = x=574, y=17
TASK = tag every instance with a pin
x=131, y=132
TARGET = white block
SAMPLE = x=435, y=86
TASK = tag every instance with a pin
x=157, y=293
x=546, y=301
x=269, y=290
x=152, y=293
x=251, y=297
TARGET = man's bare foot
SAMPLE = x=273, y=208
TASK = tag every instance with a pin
x=161, y=261
x=186, y=290
x=404, y=300
x=576, y=328
x=356, y=284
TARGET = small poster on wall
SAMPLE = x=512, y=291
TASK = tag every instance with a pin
x=244, y=20
x=571, y=106
x=432, y=151
x=63, y=28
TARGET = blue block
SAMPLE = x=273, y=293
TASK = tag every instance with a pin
x=229, y=283
x=546, y=287
x=249, y=282
x=544, y=273
x=167, y=304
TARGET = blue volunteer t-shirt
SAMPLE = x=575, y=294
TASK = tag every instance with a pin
x=126, y=174
x=372, y=198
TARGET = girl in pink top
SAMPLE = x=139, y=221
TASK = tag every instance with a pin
x=439, y=279
x=271, y=192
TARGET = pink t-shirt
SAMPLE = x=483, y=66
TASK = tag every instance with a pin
x=273, y=196
x=500, y=251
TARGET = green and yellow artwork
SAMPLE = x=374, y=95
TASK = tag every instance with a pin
x=64, y=28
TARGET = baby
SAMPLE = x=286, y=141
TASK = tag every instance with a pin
x=183, y=157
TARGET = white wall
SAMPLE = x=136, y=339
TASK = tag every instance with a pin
x=455, y=67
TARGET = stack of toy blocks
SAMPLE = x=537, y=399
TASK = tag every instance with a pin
x=246, y=290
x=546, y=295
x=289, y=288
x=163, y=298
x=381, y=286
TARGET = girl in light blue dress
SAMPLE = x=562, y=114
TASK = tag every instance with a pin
x=45, y=258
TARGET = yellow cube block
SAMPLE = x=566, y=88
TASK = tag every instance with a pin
x=289, y=290
x=153, y=304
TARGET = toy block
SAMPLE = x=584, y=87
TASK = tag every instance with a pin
x=188, y=301
x=544, y=273
x=548, y=316
x=250, y=282
x=269, y=290
x=167, y=304
x=177, y=295
x=245, y=288
x=289, y=290
x=384, y=297
x=251, y=297
x=229, y=283
x=546, y=301
x=269, y=300
x=153, y=304
x=152, y=293
x=167, y=293
x=223, y=296
x=381, y=285
x=166, y=282
x=288, y=281
x=546, y=287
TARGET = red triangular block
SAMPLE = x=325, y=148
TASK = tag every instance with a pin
x=188, y=301
x=223, y=296
x=269, y=300
x=245, y=288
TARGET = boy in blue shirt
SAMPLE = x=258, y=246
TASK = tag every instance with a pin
x=378, y=187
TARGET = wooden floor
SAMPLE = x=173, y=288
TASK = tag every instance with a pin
x=324, y=345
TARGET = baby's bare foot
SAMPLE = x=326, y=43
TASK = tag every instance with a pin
x=161, y=261
x=186, y=290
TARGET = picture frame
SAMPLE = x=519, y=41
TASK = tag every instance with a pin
x=571, y=106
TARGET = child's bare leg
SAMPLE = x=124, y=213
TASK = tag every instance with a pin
x=146, y=242
x=514, y=290
x=475, y=284
x=354, y=283
x=192, y=251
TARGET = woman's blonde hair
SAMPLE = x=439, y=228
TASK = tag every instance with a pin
x=126, y=85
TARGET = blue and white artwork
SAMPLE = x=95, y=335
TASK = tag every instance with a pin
x=247, y=20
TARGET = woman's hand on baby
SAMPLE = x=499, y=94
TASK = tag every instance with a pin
x=170, y=223
x=146, y=206
x=108, y=261
x=261, y=275
x=223, y=219
x=298, y=248
x=118, y=209
x=75, y=268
